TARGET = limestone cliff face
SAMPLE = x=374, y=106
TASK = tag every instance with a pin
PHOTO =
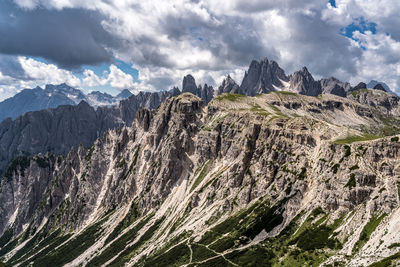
x=258, y=180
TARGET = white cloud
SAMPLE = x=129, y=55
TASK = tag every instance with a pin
x=44, y=73
x=211, y=38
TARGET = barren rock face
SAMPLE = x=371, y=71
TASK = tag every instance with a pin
x=261, y=180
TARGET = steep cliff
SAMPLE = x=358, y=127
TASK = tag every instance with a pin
x=276, y=179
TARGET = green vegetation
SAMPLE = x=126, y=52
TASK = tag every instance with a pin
x=394, y=245
x=203, y=173
x=2, y=264
x=42, y=242
x=120, y=244
x=368, y=229
x=89, y=153
x=355, y=167
x=352, y=182
x=356, y=138
x=42, y=162
x=317, y=238
x=394, y=139
x=386, y=262
x=176, y=256
x=132, y=215
x=229, y=97
x=201, y=252
x=6, y=237
x=129, y=252
x=285, y=93
x=303, y=174
x=22, y=162
x=133, y=164
x=254, y=256
x=121, y=163
x=335, y=168
x=259, y=110
x=72, y=249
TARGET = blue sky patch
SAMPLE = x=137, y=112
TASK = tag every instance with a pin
x=333, y=3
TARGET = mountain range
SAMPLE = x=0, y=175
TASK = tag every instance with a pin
x=278, y=171
x=53, y=96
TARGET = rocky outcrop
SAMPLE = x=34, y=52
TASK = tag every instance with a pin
x=379, y=87
x=262, y=77
x=206, y=93
x=53, y=96
x=359, y=86
x=302, y=82
x=238, y=176
x=334, y=86
x=228, y=86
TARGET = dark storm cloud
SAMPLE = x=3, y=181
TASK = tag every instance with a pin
x=10, y=66
x=69, y=37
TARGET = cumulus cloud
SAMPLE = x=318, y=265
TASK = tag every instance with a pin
x=116, y=78
x=165, y=40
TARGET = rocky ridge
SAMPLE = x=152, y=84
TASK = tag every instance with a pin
x=274, y=179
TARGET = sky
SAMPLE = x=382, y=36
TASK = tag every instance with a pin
x=110, y=45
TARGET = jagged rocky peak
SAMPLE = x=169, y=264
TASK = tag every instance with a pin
x=124, y=94
x=206, y=93
x=228, y=86
x=189, y=84
x=360, y=85
x=379, y=87
x=263, y=77
x=302, y=82
x=334, y=86
x=244, y=177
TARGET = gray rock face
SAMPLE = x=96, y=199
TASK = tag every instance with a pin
x=359, y=86
x=53, y=96
x=379, y=87
x=262, y=77
x=302, y=82
x=189, y=84
x=198, y=174
x=385, y=102
x=334, y=86
x=373, y=83
x=206, y=93
x=228, y=86
x=57, y=130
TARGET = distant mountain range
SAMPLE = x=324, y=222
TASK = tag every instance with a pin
x=53, y=96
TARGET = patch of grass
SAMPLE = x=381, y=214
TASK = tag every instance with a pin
x=386, y=262
x=118, y=245
x=229, y=97
x=21, y=163
x=394, y=245
x=335, y=168
x=355, y=167
x=201, y=176
x=303, y=174
x=356, y=138
x=176, y=256
x=259, y=110
x=89, y=153
x=285, y=93
x=201, y=252
x=368, y=229
x=132, y=215
x=6, y=237
x=72, y=249
x=352, y=182
x=252, y=256
x=129, y=252
x=121, y=163
x=394, y=139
